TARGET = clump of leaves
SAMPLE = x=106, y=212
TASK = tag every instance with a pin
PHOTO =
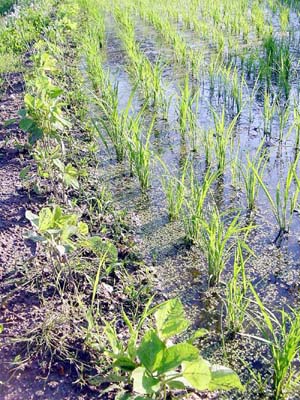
x=56, y=230
x=155, y=365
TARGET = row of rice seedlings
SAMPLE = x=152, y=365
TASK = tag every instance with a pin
x=183, y=53
x=220, y=21
x=147, y=76
x=276, y=64
x=284, y=115
x=279, y=330
x=296, y=125
x=93, y=52
x=121, y=128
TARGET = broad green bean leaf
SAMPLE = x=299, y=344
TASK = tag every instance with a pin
x=24, y=172
x=143, y=383
x=1, y=328
x=25, y=124
x=29, y=100
x=71, y=181
x=197, y=373
x=173, y=356
x=70, y=176
x=59, y=164
x=34, y=237
x=224, y=378
x=55, y=92
x=125, y=363
x=199, y=333
x=11, y=121
x=35, y=134
x=45, y=219
x=176, y=385
x=22, y=112
x=100, y=247
x=68, y=231
x=33, y=218
x=83, y=228
x=150, y=351
x=170, y=319
x=57, y=213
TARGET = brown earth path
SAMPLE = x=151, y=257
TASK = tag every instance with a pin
x=16, y=303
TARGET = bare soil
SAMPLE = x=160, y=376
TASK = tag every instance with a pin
x=17, y=303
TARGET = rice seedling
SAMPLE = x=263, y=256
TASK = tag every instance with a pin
x=268, y=113
x=208, y=141
x=286, y=198
x=217, y=240
x=175, y=190
x=140, y=156
x=194, y=205
x=251, y=182
x=284, y=69
x=296, y=125
x=186, y=116
x=237, y=299
x=223, y=136
x=284, y=18
x=115, y=124
x=284, y=114
x=237, y=90
x=282, y=335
